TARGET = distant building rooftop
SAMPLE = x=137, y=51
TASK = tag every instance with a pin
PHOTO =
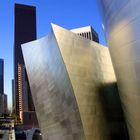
x=24, y=6
x=87, y=32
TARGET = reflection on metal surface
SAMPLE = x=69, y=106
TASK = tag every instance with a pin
x=121, y=20
x=68, y=75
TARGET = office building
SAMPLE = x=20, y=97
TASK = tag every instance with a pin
x=25, y=31
x=74, y=88
x=1, y=76
x=3, y=97
x=5, y=103
x=121, y=20
x=87, y=32
x=13, y=96
x=1, y=104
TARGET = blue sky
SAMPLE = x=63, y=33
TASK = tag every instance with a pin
x=66, y=13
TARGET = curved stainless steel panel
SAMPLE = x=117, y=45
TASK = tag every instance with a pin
x=53, y=96
x=121, y=21
x=72, y=81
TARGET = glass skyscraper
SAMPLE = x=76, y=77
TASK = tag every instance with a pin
x=1, y=76
x=3, y=97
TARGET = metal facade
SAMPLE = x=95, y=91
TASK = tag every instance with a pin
x=121, y=21
x=72, y=82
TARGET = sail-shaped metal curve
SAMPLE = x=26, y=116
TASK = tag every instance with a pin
x=73, y=86
x=121, y=24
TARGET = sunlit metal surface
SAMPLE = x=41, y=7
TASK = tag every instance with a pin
x=72, y=81
x=121, y=19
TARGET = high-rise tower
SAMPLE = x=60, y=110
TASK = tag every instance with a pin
x=3, y=97
x=25, y=31
x=1, y=76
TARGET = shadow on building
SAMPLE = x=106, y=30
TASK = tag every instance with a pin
x=111, y=103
